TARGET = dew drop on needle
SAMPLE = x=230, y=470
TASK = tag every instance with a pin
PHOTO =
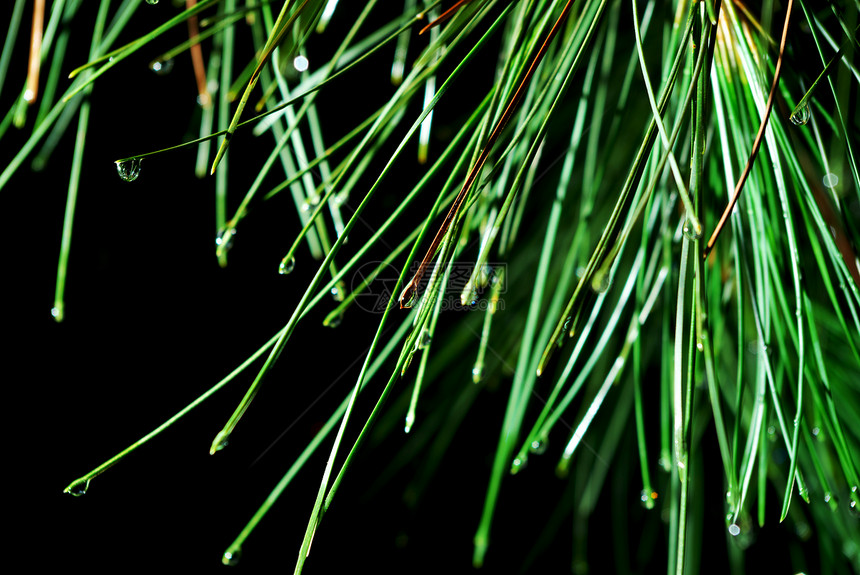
x=692, y=230
x=801, y=117
x=78, y=488
x=287, y=265
x=128, y=170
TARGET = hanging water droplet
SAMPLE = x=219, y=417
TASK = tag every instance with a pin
x=220, y=442
x=78, y=487
x=734, y=530
x=699, y=347
x=339, y=199
x=601, y=281
x=310, y=204
x=801, y=116
x=830, y=180
x=152, y=2
x=518, y=465
x=57, y=312
x=409, y=297
x=469, y=297
x=224, y=240
x=337, y=294
x=647, y=498
x=161, y=67
x=231, y=556
x=538, y=446
x=477, y=374
x=287, y=265
x=424, y=339
x=692, y=230
x=827, y=497
x=128, y=170
x=300, y=63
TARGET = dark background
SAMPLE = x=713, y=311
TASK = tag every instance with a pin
x=152, y=322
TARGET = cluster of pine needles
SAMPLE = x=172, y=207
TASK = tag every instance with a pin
x=650, y=212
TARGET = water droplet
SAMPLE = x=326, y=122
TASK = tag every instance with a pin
x=801, y=116
x=339, y=199
x=29, y=95
x=78, y=487
x=300, y=63
x=161, y=67
x=220, y=442
x=647, y=498
x=310, y=204
x=830, y=180
x=409, y=297
x=601, y=281
x=287, y=265
x=477, y=374
x=469, y=297
x=692, y=230
x=699, y=347
x=153, y=2
x=128, y=170
x=734, y=530
x=567, y=322
x=518, y=465
x=538, y=446
x=57, y=312
x=827, y=497
x=337, y=294
x=224, y=240
x=231, y=556
x=424, y=339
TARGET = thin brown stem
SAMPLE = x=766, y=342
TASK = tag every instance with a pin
x=446, y=15
x=758, y=137
x=204, y=98
x=409, y=293
x=35, y=52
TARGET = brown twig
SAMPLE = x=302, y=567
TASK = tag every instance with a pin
x=447, y=14
x=35, y=52
x=407, y=296
x=758, y=138
x=204, y=99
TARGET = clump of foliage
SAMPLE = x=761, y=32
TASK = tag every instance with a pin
x=647, y=211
